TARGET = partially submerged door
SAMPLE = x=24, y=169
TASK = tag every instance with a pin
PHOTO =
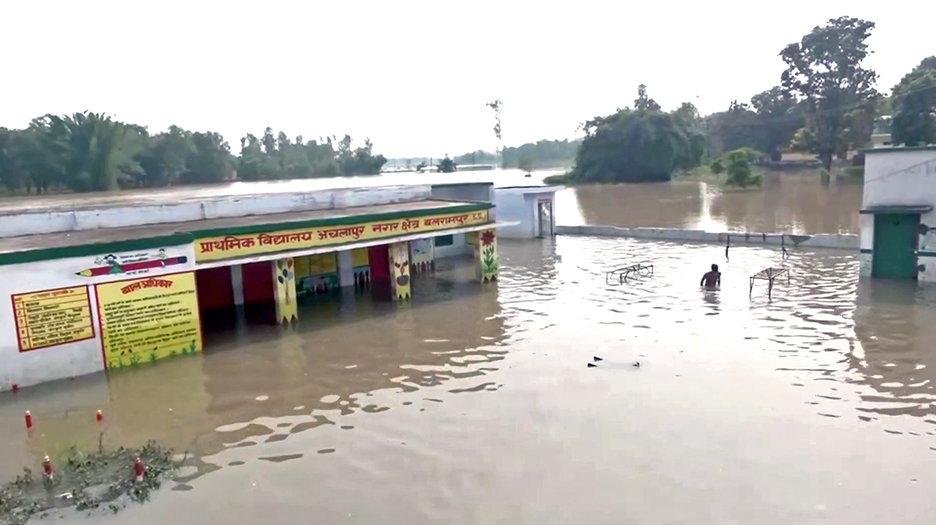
x=544, y=210
x=895, y=246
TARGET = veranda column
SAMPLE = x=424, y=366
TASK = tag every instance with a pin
x=284, y=281
x=486, y=254
x=400, y=269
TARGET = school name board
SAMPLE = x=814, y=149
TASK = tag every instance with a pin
x=144, y=320
x=52, y=317
x=217, y=248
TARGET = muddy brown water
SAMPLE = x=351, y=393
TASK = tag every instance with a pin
x=474, y=404
x=791, y=202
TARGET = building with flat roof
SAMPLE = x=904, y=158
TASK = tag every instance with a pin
x=529, y=209
x=898, y=224
x=122, y=280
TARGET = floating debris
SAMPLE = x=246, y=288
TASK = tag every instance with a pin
x=86, y=481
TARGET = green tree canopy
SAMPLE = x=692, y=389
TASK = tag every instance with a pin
x=639, y=144
x=825, y=72
x=914, y=103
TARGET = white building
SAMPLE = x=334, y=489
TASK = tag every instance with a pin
x=95, y=283
x=897, y=218
x=530, y=207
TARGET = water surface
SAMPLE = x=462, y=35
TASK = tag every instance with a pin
x=474, y=404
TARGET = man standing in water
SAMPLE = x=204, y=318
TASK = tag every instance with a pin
x=711, y=279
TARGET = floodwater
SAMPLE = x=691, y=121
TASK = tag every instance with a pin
x=473, y=404
x=789, y=202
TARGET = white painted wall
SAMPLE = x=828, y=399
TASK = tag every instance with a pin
x=69, y=360
x=895, y=177
x=458, y=248
x=125, y=216
x=520, y=205
x=237, y=284
x=345, y=269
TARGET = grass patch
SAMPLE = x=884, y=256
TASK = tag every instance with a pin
x=561, y=179
x=701, y=173
x=86, y=482
x=854, y=171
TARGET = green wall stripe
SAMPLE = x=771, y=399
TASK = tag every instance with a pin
x=85, y=250
x=62, y=252
x=338, y=221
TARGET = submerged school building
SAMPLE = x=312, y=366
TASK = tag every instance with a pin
x=897, y=221
x=91, y=286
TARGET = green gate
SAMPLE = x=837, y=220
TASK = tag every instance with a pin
x=895, y=238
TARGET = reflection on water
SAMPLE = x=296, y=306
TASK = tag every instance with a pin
x=473, y=403
x=794, y=202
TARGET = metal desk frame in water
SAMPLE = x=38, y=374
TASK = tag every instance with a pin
x=623, y=273
x=770, y=275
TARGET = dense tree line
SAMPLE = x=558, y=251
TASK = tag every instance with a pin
x=826, y=103
x=642, y=143
x=540, y=154
x=278, y=157
x=93, y=152
x=913, y=102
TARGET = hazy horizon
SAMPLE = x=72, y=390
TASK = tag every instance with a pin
x=412, y=76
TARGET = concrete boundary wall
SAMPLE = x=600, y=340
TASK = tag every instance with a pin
x=820, y=240
x=139, y=214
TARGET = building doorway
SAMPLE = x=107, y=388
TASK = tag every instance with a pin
x=544, y=212
x=895, y=239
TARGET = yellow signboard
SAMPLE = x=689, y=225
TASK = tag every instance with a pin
x=52, y=317
x=147, y=319
x=217, y=248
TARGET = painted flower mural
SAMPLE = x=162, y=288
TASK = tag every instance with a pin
x=489, y=264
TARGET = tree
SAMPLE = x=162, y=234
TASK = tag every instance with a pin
x=165, y=157
x=777, y=116
x=543, y=153
x=525, y=164
x=737, y=167
x=211, y=160
x=640, y=144
x=446, y=165
x=824, y=71
x=914, y=103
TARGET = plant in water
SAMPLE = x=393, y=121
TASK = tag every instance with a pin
x=737, y=165
x=86, y=481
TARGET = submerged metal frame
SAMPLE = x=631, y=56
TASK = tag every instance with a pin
x=770, y=275
x=624, y=272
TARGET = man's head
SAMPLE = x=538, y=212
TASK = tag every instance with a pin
x=714, y=267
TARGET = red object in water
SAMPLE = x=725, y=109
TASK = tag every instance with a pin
x=15, y=388
x=47, y=467
x=138, y=469
x=28, y=419
x=99, y=416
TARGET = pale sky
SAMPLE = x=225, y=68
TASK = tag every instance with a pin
x=412, y=75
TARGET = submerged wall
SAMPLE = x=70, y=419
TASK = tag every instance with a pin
x=49, y=322
x=131, y=213
x=821, y=240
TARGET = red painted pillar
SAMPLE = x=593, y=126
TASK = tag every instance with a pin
x=259, y=292
x=381, y=280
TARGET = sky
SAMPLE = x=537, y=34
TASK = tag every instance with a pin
x=413, y=76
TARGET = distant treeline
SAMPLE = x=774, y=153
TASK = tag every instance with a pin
x=93, y=152
x=541, y=154
x=826, y=104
